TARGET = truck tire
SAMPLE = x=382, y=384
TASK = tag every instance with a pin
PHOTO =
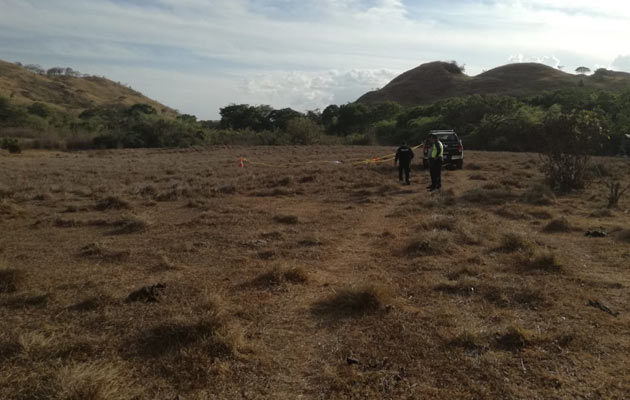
x=459, y=164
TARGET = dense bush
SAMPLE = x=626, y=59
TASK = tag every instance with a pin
x=12, y=145
x=565, y=142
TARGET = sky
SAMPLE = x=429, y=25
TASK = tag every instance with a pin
x=200, y=55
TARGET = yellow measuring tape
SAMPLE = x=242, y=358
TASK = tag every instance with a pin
x=375, y=160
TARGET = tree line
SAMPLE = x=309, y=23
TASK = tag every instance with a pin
x=486, y=122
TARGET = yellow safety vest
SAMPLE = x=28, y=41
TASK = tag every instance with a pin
x=437, y=150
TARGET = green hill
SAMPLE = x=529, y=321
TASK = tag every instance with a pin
x=70, y=94
x=440, y=80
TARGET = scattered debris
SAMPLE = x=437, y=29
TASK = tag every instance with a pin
x=596, y=233
x=602, y=307
x=351, y=360
x=147, y=294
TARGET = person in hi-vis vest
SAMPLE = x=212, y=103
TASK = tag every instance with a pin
x=436, y=151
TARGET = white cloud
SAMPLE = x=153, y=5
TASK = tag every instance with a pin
x=551, y=61
x=622, y=63
x=309, y=90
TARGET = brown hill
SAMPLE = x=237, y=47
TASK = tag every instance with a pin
x=440, y=80
x=71, y=94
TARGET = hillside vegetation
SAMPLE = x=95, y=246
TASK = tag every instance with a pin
x=67, y=92
x=61, y=109
x=440, y=80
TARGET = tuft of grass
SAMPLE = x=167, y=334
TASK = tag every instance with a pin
x=279, y=275
x=478, y=177
x=9, y=210
x=440, y=222
x=540, y=261
x=112, y=203
x=95, y=381
x=355, y=301
x=10, y=279
x=557, y=225
x=286, y=219
x=473, y=342
x=488, y=196
x=513, y=339
x=208, y=333
x=540, y=195
x=512, y=241
x=130, y=224
x=434, y=242
x=165, y=264
x=27, y=300
x=465, y=271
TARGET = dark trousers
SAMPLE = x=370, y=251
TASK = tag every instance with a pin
x=406, y=168
x=435, y=166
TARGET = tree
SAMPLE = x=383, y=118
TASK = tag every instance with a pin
x=35, y=68
x=55, y=71
x=566, y=143
x=582, y=70
x=187, y=118
x=280, y=118
x=244, y=116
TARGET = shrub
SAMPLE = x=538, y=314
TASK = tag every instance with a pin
x=566, y=142
x=12, y=145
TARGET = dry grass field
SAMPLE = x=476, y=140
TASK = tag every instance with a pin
x=173, y=274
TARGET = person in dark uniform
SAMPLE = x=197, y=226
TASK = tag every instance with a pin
x=404, y=155
x=436, y=152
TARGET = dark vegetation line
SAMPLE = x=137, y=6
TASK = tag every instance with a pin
x=485, y=122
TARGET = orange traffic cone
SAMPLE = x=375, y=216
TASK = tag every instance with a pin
x=240, y=163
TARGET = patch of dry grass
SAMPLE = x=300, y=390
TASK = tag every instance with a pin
x=286, y=219
x=623, y=236
x=112, y=203
x=542, y=261
x=101, y=252
x=130, y=224
x=488, y=196
x=354, y=301
x=430, y=243
x=559, y=225
x=279, y=275
x=11, y=279
x=96, y=381
x=540, y=195
x=512, y=241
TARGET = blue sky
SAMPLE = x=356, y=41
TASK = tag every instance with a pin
x=200, y=55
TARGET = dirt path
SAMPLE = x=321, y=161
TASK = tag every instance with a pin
x=297, y=341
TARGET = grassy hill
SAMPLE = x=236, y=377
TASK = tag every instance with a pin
x=439, y=80
x=68, y=94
